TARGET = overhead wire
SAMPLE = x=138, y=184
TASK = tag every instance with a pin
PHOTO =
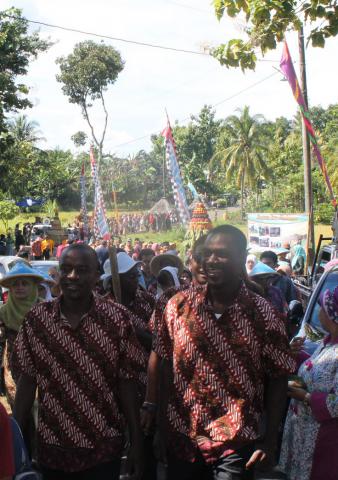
x=134, y=140
x=109, y=37
x=120, y=39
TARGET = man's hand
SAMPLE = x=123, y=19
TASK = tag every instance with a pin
x=297, y=393
x=296, y=345
x=263, y=456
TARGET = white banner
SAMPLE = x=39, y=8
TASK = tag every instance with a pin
x=270, y=231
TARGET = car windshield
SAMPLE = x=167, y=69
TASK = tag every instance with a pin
x=330, y=283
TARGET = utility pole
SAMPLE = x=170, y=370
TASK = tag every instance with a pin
x=306, y=153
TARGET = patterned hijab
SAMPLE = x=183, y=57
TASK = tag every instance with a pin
x=329, y=303
x=14, y=310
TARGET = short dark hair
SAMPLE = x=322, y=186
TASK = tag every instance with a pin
x=146, y=251
x=83, y=248
x=269, y=254
x=234, y=232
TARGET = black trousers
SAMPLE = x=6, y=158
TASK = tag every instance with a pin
x=103, y=471
x=231, y=467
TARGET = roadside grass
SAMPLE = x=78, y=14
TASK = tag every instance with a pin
x=175, y=235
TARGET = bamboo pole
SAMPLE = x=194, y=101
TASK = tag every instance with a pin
x=115, y=274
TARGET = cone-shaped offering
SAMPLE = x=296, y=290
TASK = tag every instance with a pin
x=200, y=219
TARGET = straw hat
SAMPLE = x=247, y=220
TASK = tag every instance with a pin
x=20, y=270
x=165, y=260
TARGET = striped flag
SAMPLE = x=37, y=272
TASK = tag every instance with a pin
x=287, y=68
x=100, y=224
x=175, y=175
x=84, y=201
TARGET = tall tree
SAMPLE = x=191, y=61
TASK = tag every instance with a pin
x=267, y=21
x=17, y=49
x=86, y=74
x=242, y=158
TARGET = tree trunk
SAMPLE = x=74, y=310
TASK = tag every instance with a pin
x=242, y=195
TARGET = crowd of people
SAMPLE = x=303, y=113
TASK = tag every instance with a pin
x=147, y=366
x=125, y=224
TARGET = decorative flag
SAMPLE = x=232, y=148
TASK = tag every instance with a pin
x=100, y=224
x=287, y=68
x=175, y=175
x=84, y=201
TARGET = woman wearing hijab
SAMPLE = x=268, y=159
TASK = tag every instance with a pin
x=251, y=261
x=167, y=278
x=298, y=260
x=310, y=441
x=22, y=282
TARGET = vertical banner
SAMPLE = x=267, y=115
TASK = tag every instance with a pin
x=100, y=224
x=270, y=231
x=175, y=176
x=84, y=201
x=287, y=68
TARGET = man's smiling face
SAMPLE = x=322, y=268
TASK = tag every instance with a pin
x=223, y=260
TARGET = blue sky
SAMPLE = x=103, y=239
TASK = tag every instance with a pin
x=154, y=79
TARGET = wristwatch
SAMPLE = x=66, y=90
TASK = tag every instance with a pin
x=307, y=398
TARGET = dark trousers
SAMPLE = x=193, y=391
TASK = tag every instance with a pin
x=46, y=255
x=104, y=471
x=231, y=467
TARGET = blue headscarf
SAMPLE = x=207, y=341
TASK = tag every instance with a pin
x=298, y=251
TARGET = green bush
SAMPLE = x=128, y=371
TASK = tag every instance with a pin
x=323, y=213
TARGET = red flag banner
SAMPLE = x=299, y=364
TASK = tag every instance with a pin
x=287, y=68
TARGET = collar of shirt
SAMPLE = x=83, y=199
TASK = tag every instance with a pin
x=59, y=316
x=201, y=297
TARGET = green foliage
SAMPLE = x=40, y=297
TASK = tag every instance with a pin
x=79, y=139
x=242, y=156
x=86, y=74
x=268, y=20
x=8, y=211
x=51, y=208
x=23, y=130
x=17, y=49
x=323, y=213
x=196, y=146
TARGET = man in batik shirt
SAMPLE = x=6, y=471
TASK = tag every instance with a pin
x=81, y=354
x=133, y=297
x=228, y=351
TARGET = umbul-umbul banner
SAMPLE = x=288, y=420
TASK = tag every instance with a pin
x=100, y=224
x=175, y=176
x=287, y=68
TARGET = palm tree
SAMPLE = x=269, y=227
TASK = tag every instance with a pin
x=242, y=158
x=24, y=130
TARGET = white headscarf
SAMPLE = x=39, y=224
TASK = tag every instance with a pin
x=253, y=258
x=174, y=273
x=49, y=295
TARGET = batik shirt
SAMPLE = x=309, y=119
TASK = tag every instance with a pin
x=77, y=372
x=219, y=367
x=142, y=307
